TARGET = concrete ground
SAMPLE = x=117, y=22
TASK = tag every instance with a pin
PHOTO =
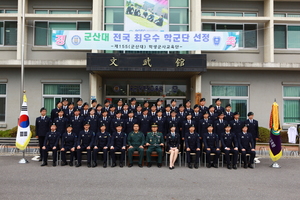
x=30, y=181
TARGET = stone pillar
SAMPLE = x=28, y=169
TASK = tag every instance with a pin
x=96, y=87
x=269, y=31
x=195, y=21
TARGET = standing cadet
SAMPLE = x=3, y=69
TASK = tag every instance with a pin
x=173, y=142
x=145, y=121
x=85, y=143
x=218, y=107
x=192, y=145
x=202, y=106
x=138, y=111
x=116, y=122
x=94, y=105
x=186, y=124
x=65, y=103
x=54, y=112
x=136, y=141
x=61, y=122
x=42, y=126
x=102, y=142
x=173, y=105
x=118, y=144
x=211, y=145
x=188, y=108
x=92, y=119
x=68, y=144
x=203, y=124
x=112, y=111
x=246, y=146
x=213, y=116
x=98, y=110
x=161, y=123
x=104, y=119
x=119, y=105
x=130, y=121
x=77, y=122
x=68, y=113
x=50, y=144
x=220, y=124
x=125, y=112
x=173, y=120
x=152, y=112
x=197, y=116
x=228, y=114
x=155, y=142
x=146, y=105
x=133, y=105
x=106, y=105
x=85, y=110
x=79, y=104
x=236, y=124
x=230, y=145
x=159, y=106
x=167, y=112
x=252, y=127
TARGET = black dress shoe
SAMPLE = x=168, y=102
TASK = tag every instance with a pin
x=71, y=164
x=113, y=165
x=196, y=165
x=173, y=167
x=190, y=166
x=149, y=165
x=44, y=164
x=245, y=166
x=104, y=165
x=208, y=165
x=130, y=165
x=250, y=166
x=121, y=164
x=40, y=159
x=89, y=165
x=54, y=164
x=94, y=164
x=229, y=167
x=159, y=165
x=78, y=165
x=215, y=166
x=63, y=164
x=140, y=165
x=170, y=168
x=234, y=167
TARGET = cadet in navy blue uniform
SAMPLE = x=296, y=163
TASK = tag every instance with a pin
x=188, y=108
x=218, y=107
x=92, y=119
x=173, y=120
x=246, y=146
x=211, y=145
x=197, y=116
x=173, y=105
x=106, y=105
x=220, y=124
x=42, y=126
x=61, y=122
x=102, y=142
x=228, y=114
x=152, y=112
x=77, y=122
x=203, y=124
x=118, y=144
x=172, y=143
x=94, y=105
x=202, y=106
x=145, y=122
x=161, y=123
x=116, y=122
x=186, y=124
x=68, y=113
x=112, y=112
x=85, y=110
x=105, y=119
x=79, y=104
x=98, y=110
x=54, y=112
x=68, y=143
x=50, y=144
x=252, y=127
x=192, y=145
x=236, y=124
x=133, y=105
x=167, y=112
x=125, y=112
x=119, y=105
x=159, y=106
x=146, y=105
x=85, y=143
x=230, y=145
x=213, y=116
x=65, y=104
x=138, y=111
x=130, y=121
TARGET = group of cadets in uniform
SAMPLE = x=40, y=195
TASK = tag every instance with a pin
x=132, y=127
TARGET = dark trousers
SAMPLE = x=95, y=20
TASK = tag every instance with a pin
x=41, y=144
x=95, y=153
x=141, y=154
x=244, y=157
x=45, y=154
x=188, y=155
x=158, y=150
x=79, y=152
x=63, y=154
x=216, y=157
x=234, y=154
x=113, y=155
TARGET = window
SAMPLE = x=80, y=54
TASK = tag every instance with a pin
x=287, y=36
x=43, y=30
x=52, y=93
x=237, y=96
x=229, y=14
x=248, y=32
x=291, y=104
x=8, y=33
x=2, y=102
x=63, y=11
x=286, y=15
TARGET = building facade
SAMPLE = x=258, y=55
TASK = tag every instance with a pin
x=265, y=68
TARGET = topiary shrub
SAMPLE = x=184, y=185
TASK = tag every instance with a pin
x=14, y=130
x=5, y=133
x=264, y=134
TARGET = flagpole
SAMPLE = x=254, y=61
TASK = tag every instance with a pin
x=23, y=160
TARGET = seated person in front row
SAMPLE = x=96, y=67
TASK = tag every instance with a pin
x=136, y=141
x=50, y=144
x=246, y=146
x=154, y=141
x=85, y=143
x=192, y=144
x=229, y=145
x=68, y=143
x=118, y=144
x=211, y=145
x=173, y=142
x=101, y=142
